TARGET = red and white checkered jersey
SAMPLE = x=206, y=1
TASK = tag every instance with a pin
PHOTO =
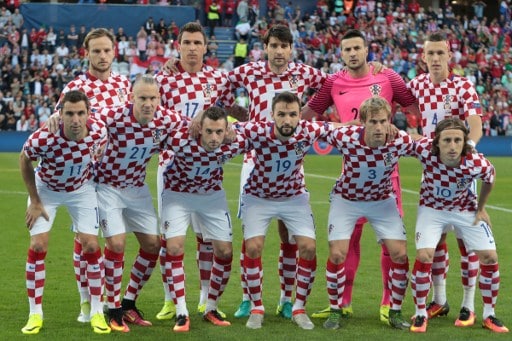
x=366, y=174
x=65, y=165
x=348, y=93
x=114, y=91
x=190, y=93
x=131, y=145
x=263, y=85
x=277, y=164
x=449, y=188
x=194, y=169
x=454, y=97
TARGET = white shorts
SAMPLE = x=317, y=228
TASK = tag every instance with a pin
x=383, y=215
x=430, y=225
x=210, y=209
x=247, y=168
x=195, y=221
x=82, y=206
x=126, y=210
x=295, y=212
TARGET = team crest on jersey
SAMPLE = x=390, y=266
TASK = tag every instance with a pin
x=462, y=183
x=294, y=82
x=121, y=94
x=207, y=90
x=157, y=133
x=299, y=149
x=447, y=100
x=375, y=89
x=388, y=159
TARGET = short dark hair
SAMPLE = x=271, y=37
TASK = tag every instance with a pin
x=436, y=36
x=214, y=113
x=75, y=96
x=451, y=123
x=191, y=27
x=281, y=32
x=354, y=34
x=286, y=97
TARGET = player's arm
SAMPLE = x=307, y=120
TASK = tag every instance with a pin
x=481, y=213
x=475, y=129
x=308, y=114
x=35, y=208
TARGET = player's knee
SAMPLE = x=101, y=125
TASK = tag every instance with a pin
x=307, y=251
x=425, y=255
x=337, y=256
x=488, y=257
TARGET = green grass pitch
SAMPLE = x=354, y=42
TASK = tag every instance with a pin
x=61, y=300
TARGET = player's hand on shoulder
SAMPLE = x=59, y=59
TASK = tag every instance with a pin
x=171, y=65
x=53, y=123
x=377, y=67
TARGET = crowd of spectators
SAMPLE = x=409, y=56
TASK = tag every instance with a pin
x=35, y=65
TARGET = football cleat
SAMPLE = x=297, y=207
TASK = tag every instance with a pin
x=492, y=323
x=99, y=325
x=322, y=314
x=302, y=320
x=34, y=324
x=244, y=310
x=201, y=308
x=215, y=318
x=134, y=316
x=255, y=320
x=419, y=324
x=333, y=321
x=396, y=320
x=466, y=318
x=285, y=310
x=182, y=324
x=384, y=313
x=85, y=312
x=167, y=312
x=435, y=310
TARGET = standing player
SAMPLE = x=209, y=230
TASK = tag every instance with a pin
x=263, y=80
x=193, y=185
x=189, y=88
x=103, y=88
x=365, y=189
x=276, y=189
x=64, y=177
x=441, y=94
x=347, y=89
x=135, y=132
x=446, y=197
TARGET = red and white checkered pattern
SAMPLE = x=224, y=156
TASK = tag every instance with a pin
x=195, y=170
x=190, y=93
x=262, y=84
x=366, y=174
x=65, y=165
x=114, y=91
x=454, y=97
x=277, y=166
x=131, y=144
x=449, y=188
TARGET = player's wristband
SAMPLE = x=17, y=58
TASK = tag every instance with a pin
x=471, y=143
